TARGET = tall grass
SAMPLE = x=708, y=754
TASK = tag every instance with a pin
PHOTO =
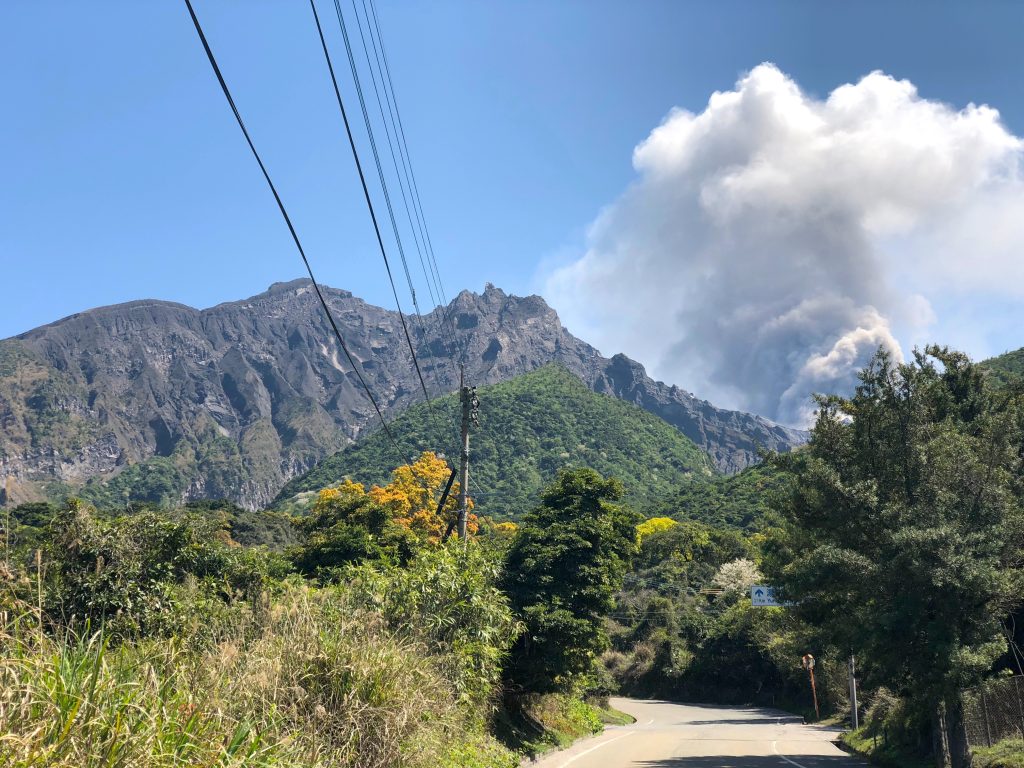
x=317, y=683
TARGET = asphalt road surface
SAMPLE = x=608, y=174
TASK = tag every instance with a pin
x=668, y=735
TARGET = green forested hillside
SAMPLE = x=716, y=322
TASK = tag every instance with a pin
x=530, y=427
x=1006, y=367
x=733, y=501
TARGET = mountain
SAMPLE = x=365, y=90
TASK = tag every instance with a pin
x=157, y=401
x=530, y=427
x=1006, y=368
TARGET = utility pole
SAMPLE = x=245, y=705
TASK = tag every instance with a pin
x=470, y=414
x=854, y=717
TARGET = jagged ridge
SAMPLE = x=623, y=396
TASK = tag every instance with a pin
x=237, y=399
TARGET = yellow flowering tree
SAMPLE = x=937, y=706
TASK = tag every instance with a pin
x=415, y=491
x=654, y=525
x=413, y=494
x=350, y=524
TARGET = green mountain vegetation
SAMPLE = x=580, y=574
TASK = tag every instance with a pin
x=32, y=404
x=530, y=427
x=1006, y=368
x=741, y=501
x=163, y=481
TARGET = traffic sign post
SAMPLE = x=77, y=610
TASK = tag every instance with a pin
x=807, y=662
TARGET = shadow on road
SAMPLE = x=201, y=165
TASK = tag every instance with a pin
x=766, y=720
x=768, y=761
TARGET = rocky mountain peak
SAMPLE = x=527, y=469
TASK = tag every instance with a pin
x=243, y=396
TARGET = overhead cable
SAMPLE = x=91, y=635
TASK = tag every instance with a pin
x=366, y=194
x=291, y=227
x=418, y=202
x=409, y=210
x=369, y=204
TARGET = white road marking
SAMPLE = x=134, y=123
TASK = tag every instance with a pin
x=602, y=744
x=649, y=721
x=775, y=749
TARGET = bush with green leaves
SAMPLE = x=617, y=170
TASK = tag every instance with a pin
x=562, y=572
x=686, y=555
x=347, y=527
x=447, y=597
x=141, y=575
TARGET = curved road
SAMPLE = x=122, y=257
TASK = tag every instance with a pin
x=668, y=735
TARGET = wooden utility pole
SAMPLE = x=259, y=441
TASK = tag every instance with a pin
x=464, y=464
x=470, y=406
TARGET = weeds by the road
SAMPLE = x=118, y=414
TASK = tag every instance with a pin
x=888, y=754
x=320, y=684
x=1008, y=753
x=535, y=724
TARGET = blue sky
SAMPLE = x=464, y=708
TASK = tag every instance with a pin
x=124, y=175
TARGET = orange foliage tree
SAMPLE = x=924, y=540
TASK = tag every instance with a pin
x=413, y=494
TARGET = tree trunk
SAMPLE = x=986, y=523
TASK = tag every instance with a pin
x=949, y=737
x=940, y=737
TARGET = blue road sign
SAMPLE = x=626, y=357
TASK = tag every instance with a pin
x=762, y=596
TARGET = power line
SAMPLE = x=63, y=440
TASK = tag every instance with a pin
x=369, y=202
x=418, y=202
x=391, y=147
x=407, y=158
x=451, y=344
x=291, y=228
x=380, y=172
x=373, y=29
x=377, y=161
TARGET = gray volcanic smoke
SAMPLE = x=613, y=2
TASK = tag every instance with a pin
x=772, y=242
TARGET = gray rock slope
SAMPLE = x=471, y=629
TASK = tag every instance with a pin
x=245, y=395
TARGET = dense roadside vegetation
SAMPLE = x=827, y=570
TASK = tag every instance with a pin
x=905, y=529
x=155, y=638
x=742, y=501
x=353, y=634
x=896, y=534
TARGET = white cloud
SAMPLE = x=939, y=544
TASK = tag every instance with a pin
x=773, y=241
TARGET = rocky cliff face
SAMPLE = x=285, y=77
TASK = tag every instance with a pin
x=241, y=397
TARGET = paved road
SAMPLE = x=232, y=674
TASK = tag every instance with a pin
x=670, y=735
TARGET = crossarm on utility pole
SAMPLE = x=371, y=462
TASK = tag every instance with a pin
x=440, y=505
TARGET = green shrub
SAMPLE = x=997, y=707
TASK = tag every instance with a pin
x=322, y=683
x=893, y=733
x=448, y=598
x=144, y=574
x=1008, y=753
